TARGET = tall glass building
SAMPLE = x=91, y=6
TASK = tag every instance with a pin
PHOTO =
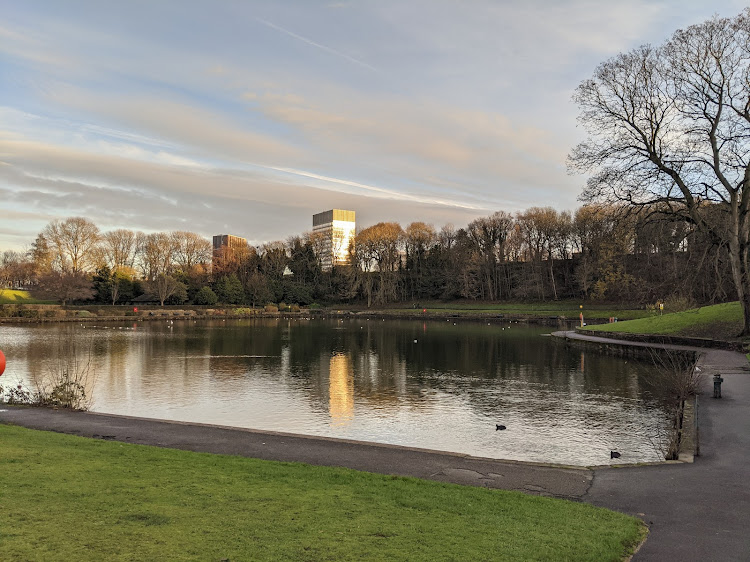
x=337, y=229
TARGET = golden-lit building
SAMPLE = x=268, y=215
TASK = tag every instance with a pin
x=337, y=229
x=227, y=249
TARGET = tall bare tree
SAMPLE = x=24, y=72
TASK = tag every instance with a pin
x=74, y=242
x=119, y=248
x=191, y=250
x=418, y=238
x=670, y=125
x=157, y=251
x=16, y=270
x=489, y=236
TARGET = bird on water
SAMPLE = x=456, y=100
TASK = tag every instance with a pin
x=499, y=427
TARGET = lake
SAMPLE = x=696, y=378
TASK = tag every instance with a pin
x=441, y=385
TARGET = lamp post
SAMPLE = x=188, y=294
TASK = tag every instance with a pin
x=581, y=307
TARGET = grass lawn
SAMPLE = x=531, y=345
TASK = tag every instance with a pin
x=721, y=321
x=571, y=309
x=69, y=498
x=13, y=296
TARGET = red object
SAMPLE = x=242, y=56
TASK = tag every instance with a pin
x=135, y=309
x=2, y=362
x=424, y=310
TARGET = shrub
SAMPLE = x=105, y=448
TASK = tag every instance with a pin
x=206, y=296
x=678, y=303
x=54, y=313
x=8, y=310
x=283, y=307
x=294, y=308
x=63, y=385
x=244, y=311
x=270, y=307
x=29, y=313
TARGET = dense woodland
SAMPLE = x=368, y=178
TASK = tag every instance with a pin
x=598, y=253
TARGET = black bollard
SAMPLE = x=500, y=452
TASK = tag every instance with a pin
x=717, y=386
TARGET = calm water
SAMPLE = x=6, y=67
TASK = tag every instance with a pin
x=424, y=384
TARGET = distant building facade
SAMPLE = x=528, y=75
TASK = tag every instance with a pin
x=337, y=229
x=227, y=249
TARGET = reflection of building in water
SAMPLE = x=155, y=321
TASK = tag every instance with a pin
x=341, y=389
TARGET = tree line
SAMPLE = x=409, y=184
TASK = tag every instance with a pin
x=599, y=252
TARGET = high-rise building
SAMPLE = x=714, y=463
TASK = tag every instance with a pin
x=227, y=249
x=337, y=229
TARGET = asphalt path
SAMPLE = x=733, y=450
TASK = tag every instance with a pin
x=695, y=511
x=701, y=510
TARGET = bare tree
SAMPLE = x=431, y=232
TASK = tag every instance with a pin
x=74, y=242
x=190, y=250
x=418, y=238
x=16, y=270
x=318, y=242
x=157, y=251
x=489, y=236
x=119, y=248
x=65, y=287
x=679, y=379
x=165, y=286
x=670, y=125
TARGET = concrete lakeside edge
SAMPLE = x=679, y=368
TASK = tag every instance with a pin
x=663, y=339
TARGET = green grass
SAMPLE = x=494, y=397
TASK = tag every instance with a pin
x=13, y=296
x=570, y=309
x=720, y=321
x=69, y=498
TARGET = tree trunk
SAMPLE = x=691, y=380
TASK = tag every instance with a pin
x=741, y=277
x=746, y=314
x=552, y=278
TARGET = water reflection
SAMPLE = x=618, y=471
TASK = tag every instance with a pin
x=426, y=384
x=341, y=389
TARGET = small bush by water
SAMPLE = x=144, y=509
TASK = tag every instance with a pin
x=65, y=383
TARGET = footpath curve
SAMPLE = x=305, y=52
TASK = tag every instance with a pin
x=696, y=511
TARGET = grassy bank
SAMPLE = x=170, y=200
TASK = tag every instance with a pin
x=569, y=309
x=69, y=498
x=13, y=296
x=721, y=322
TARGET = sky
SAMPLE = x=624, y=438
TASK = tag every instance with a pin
x=247, y=117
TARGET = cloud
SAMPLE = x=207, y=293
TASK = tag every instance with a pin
x=181, y=124
x=59, y=181
x=469, y=149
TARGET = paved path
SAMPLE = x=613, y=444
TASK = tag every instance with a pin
x=698, y=511
x=371, y=457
